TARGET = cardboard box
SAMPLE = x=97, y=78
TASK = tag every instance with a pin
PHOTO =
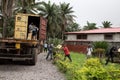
x=29, y=36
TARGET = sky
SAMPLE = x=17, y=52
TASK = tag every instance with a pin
x=94, y=11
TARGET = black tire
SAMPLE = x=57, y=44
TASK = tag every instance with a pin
x=34, y=57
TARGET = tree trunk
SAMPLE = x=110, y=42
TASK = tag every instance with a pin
x=63, y=28
x=7, y=14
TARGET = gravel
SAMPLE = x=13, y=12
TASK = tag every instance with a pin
x=43, y=70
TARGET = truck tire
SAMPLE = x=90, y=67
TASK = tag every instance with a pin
x=34, y=57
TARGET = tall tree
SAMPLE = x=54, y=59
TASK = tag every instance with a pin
x=66, y=16
x=7, y=13
x=73, y=27
x=106, y=24
x=90, y=26
x=51, y=13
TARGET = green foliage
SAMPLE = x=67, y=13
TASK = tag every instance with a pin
x=92, y=62
x=25, y=6
x=100, y=44
x=10, y=27
x=106, y=24
x=91, y=70
x=100, y=48
x=51, y=12
x=55, y=41
x=99, y=52
x=90, y=26
x=73, y=27
x=64, y=66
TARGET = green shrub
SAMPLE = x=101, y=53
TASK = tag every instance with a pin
x=99, y=52
x=100, y=48
x=55, y=41
x=91, y=70
x=100, y=44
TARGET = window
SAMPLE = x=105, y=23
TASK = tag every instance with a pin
x=108, y=36
x=82, y=36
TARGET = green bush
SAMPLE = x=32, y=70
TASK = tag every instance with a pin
x=55, y=41
x=100, y=48
x=99, y=52
x=91, y=70
x=100, y=44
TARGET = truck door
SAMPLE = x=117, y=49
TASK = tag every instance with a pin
x=42, y=29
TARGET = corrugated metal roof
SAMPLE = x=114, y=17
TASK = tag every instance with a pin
x=101, y=30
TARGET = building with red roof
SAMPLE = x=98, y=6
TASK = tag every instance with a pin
x=110, y=35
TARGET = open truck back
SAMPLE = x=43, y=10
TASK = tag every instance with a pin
x=21, y=46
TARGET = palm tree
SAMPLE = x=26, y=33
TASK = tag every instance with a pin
x=106, y=24
x=51, y=13
x=66, y=16
x=90, y=26
x=26, y=6
x=73, y=27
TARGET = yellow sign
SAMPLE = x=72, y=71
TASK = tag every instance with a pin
x=17, y=45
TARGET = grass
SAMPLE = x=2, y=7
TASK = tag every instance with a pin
x=80, y=58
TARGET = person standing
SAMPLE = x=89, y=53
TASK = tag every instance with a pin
x=34, y=32
x=31, y=26
x=89, y=51
x=45, y=47
x=50, y=51
x=111, y=55
x=66, y=52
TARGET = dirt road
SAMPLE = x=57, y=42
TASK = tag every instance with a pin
x=43, y=70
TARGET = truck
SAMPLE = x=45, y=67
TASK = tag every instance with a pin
x=21, y=46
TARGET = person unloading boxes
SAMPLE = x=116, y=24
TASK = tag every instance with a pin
x=30, y=28
x=32, y=32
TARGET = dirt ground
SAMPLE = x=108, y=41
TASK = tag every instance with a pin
x=43, y=70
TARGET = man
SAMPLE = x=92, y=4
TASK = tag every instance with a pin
x=111, y=55
x=33, y=29
x=50, y=51
x=66, y=52
x=31, y=26
x=45, y=47
x=34, y=32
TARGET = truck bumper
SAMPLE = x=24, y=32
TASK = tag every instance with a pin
x=16, y=56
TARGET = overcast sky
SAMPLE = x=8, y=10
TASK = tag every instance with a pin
x=95, y=11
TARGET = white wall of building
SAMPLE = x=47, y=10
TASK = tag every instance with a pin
x=71, y=37
x=96, y=37
x=117, y=37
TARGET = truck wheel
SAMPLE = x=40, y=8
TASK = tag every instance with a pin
x=34, y=57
